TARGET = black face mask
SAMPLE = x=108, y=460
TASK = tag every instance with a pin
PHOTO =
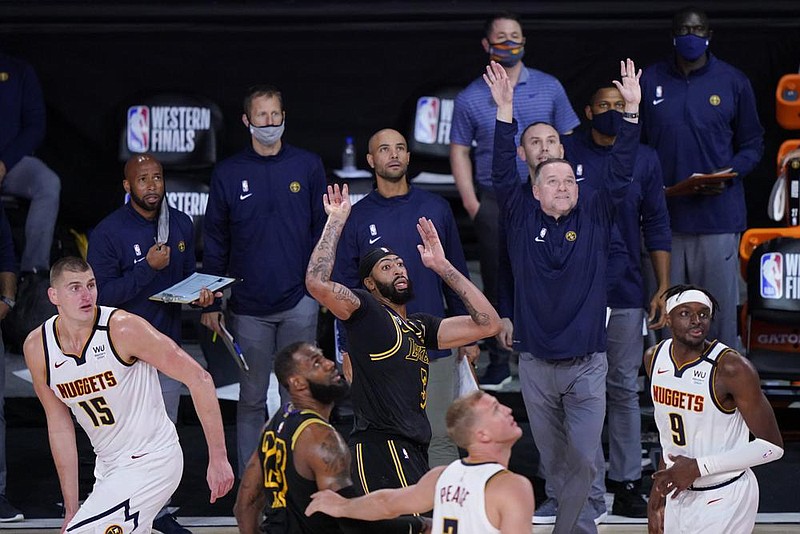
x=328, y=394
x=607, y=123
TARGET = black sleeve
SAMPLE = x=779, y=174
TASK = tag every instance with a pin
x=399, y=525
x=431, y=324
x=365, y=299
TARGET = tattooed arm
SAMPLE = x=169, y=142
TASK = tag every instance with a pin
x=337, y=298
x=483, y=320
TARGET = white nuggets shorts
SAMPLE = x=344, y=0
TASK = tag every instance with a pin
x=128, y=495
x=729, y=509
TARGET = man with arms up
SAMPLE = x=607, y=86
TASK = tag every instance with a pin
x=388, y=347
x=700, y=115
x=263, y=217
x=142, y=248
x=386, y=217
x=558, y=260
x=301, y=453
x=476, y=495
x=100, y=363
x=707, y=400
x=643, y=213
x=540, y=98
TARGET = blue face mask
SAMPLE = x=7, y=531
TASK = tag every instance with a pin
x=690, y=47
x=507, y=53
x=607, y=123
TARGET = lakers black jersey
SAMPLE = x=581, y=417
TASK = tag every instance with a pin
x=390, y=369
x=288, y=493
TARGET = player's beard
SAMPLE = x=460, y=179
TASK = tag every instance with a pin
x=393, y=294
x=139, y=201
x=327, y=394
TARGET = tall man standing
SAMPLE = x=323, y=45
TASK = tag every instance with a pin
x=140, y=249
x=263, y=217
x=22, y=123
x=700, y=115
x=540, y=98
x=386, y=217
x=559, y=263
x=388, y=346
x=643, y=213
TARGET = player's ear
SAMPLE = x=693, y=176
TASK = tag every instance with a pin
x=297, y=383
x=369, y=283
x=52, y=295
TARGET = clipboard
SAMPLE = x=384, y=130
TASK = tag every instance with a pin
x=188, y=290
x=690, y=185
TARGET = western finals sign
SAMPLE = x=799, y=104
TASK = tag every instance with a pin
x=165, y=128
x=780, y=276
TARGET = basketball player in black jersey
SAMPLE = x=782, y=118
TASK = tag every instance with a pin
x=388, y=348
x=300, y=454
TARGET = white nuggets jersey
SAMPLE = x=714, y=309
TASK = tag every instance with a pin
x=119, y=405
x=690, y=419
x=460, y=503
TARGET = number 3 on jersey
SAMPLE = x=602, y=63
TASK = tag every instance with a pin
x=678, y=431
x=98, y=411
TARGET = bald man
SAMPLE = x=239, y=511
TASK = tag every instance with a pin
x=140, y=249
x=386, y=217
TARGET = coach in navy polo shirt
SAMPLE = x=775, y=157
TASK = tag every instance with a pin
x=558, y=250
x=700, y=115
x=538, y=97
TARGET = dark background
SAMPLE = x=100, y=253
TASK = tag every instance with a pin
x=345, y=67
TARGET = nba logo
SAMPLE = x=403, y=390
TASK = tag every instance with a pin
x=138, y=129
x=426, y=122
x=245, y=186
x=772, y=275
x=579, y=169
x=372, y=230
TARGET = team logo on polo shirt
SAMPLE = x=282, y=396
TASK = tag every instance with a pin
x=571, y=236
x=3, y=76
x=114, y=529
x=294, y=187
x=181, y=246
x=714, y=100
x=795, y=163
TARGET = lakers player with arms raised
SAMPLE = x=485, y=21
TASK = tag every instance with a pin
x=101, y=364
x=707, y=401
x=388, y=347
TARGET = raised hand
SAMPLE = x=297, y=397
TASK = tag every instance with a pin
x=430, y=251
x=496, y=78
x=336, y=202
x=629, y=86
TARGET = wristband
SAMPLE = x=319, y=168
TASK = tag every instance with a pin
x=754, y=453
x=8, y=301
x=627, y=115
